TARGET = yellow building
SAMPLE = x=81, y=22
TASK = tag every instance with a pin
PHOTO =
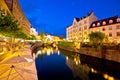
x=79, y=29
x=4, y=6
x=13, y=8
x=19, y=15
x=109, y=26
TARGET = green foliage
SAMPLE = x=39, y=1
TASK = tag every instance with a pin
x=66, y=44
x=8, y=25
x=42, y=36
x=97, y=38
x=31, y=37
x=22, y=35
x=61, y=37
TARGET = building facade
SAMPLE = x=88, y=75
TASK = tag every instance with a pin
x=13, y=8
x=79, y=29
x=109, y=26
x=4, y=6
x=19, y=15
x=33, y=32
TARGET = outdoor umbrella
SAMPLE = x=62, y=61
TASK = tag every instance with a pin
x=16, y=72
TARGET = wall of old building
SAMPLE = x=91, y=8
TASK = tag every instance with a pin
x=105, y=29
x=4, y=6
x=79, y=30
x=19, y=15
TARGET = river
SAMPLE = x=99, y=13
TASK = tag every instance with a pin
x=55, y=64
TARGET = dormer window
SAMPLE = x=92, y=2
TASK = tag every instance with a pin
x=110, y=21
x=98, y=24
x=93, y=25
x=118, y=19
x=104, y=23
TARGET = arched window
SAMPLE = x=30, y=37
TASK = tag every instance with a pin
x=98, y=24
x=110, y=21
x=104, y=23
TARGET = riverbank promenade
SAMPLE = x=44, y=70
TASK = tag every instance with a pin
x=19, y=65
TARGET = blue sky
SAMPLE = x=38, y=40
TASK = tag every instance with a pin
x=53, y=16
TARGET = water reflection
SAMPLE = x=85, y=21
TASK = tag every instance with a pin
x=80, y=72
x=46, y=50
x=90, y=68
x=55, y=64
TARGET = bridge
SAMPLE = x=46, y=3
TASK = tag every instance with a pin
x=36, y=45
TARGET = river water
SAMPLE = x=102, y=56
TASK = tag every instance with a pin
x=54, y=64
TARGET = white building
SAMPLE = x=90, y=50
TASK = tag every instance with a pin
x=33, y=32
x=79, y=29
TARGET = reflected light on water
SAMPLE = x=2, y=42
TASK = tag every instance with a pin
x=58, y=52
x=66, y=57
x=106, y=76
x=48, y=51
x=39, y=52
x=93, y=70
x=77, y=61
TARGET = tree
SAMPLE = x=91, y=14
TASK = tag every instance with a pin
x=42, y=36
x=61, y=37
x=97, y=38
x=32, y=37
x=22, y=35
x=9, y=27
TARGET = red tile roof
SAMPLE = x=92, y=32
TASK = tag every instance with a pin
x=106, y=20
x=78, y=19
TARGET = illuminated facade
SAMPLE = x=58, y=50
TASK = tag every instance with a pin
x=79, y=29
x=109, y=26
x=52, y=38
x=13, y=8
x=33, y=32
x=4, y=6
x=19, y=15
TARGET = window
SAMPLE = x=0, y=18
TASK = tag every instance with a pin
x=110, y=21
x=118, y=19
x=110, y=34
x=93, y=25
x=85, y=33
x=98, y=24
x=80, y=33
x=85, y=22
x=118, y=33
x=110, y=27
x=118, y=27
x=85, y=27
x=103, y=29
x=79, y=23
x=79, y=29
x=104, y=23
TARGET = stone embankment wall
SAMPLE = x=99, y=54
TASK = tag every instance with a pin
x=112, y=55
